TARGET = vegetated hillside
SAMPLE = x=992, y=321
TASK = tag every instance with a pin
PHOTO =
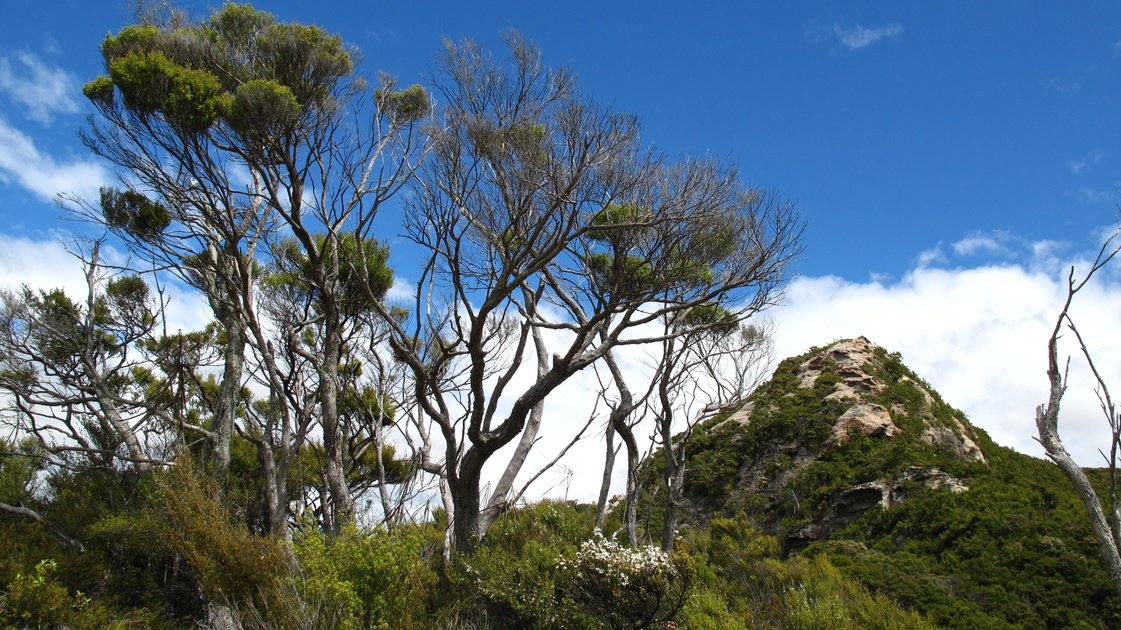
x=847, y=453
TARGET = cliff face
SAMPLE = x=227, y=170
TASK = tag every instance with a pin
x=836, y=432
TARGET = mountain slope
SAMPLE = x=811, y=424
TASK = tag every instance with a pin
x=848, y=453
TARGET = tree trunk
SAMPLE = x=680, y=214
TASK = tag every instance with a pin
x=229, y=392
x=1047, y=423
x=630, y=506
x=342, y=504
x=497, y=504
x=675, y=479
x=464, y=487
x=605, y=483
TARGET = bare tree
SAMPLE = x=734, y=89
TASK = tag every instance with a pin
x=701, y=374
x=1104, y=520
x=538, y=211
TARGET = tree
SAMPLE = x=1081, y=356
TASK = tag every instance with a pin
x=702, y=374
x=516, y=211
x=74, y=372
x=1104, y=520
x=267, y=127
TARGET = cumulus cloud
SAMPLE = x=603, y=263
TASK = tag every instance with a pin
x=40, y=89
x=858, y=37
x=43, y=175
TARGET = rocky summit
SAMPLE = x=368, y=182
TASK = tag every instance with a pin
x=836, y=432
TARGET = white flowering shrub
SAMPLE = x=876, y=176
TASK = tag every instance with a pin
x=627, y=588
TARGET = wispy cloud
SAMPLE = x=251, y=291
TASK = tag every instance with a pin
x=858, y=37
x=1079, y=167
x=979, y=244
x=930, y=256
x=42, y=174
x=42, y=90
x=1085, y=194
x=1063, y=86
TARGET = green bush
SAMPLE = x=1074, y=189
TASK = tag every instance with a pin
x=514, y=580
x=372, y=579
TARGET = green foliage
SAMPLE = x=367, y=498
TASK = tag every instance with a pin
x=19, y=464
x=38, y=599
x=240, y=66
x=741, y=583
x=231, y=565
x=617, y=223
x=514, y=579
x=150, y=83
x=371, y=579
x=100, y=90
x=264, y=110
x=360, y=273
x=412, y=103
x=133, y=39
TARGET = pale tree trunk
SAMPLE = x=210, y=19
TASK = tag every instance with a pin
x=341, y=503
x=1107, y=543
x=498, y=502
x=1047, y=422
x=605, y=483
x=229, y=393
x=619, y=419
x=675, y=480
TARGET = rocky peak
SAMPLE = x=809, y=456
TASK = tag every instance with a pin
x=854, y=364
x=836, y=432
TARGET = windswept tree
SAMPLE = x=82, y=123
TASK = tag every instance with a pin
x=1104, y=513
x=228, y=132
x=539, y=213
x=74, y=373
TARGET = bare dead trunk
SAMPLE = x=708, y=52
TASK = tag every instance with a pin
x=605, y=483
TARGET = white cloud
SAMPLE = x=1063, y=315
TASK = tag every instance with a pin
x=1080, y=166
x=858, y=37
x=977, y=335
x=42, y=174
x=1085, y=194
x=978, y=244
x=402, y=291
x=40, y=89
x=930, y=256
x=1063, y=86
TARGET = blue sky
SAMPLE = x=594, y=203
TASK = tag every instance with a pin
x=951, y=158
x=893, y=125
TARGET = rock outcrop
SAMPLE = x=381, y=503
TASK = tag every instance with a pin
x=837, y=432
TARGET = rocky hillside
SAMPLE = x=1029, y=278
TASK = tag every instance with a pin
x=847, y=452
